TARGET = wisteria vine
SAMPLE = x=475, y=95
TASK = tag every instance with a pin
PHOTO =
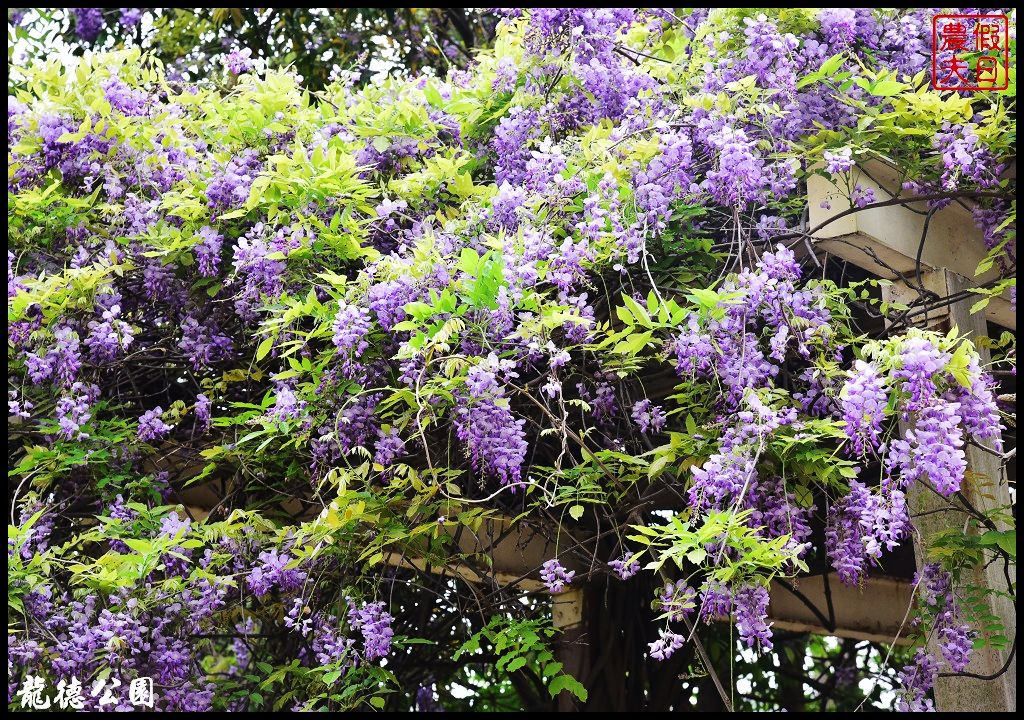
x=268, y=347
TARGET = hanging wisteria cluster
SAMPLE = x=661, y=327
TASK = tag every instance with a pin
x=265, y=346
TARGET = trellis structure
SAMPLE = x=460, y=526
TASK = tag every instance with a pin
x=932, y=257
x=928, y=257
x=418, y=293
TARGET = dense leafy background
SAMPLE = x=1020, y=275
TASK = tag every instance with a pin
x=268, y=332
x=316, y=42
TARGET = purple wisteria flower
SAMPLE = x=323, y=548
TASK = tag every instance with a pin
x=188, y=222
x=202, y=410
x=839, y=161
x=666, y=645
x=932, y=450
x=273, y=571
x=390, y=445
x=351, y=325
x=920, y=363
x=864, y=398
x=862, y=196
x=555, y=576
x=287, y=406
x=978, y=409
x=88, y=23
x=715, y=601
x=751, y=604
x=239, y=61
x=648, y=417
x=19, y=408
x=625, y=567
x=678, y=600
x=74, y=410
x=177, y=560
x=861, y=525
x=130, y=17
x=151, y=425
x=955, y=638
x=374, y=623
x=495, y=439
x=956, y=642
x=208, y=250
x=129, y=102
x=918, y=679
x=203, y=342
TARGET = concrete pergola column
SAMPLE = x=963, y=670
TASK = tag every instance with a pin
x=940, y=250
x=985, y=488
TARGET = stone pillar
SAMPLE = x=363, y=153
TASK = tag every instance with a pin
x=985, y=488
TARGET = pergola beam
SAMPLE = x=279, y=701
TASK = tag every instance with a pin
x=887, y=241
x=876, y=611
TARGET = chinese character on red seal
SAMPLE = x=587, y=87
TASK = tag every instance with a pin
x=953, y=36
x=970, y=52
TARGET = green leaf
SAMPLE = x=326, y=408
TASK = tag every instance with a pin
x=568, y=682
x=832, y=64
x=886, y=88
x=1008, y=542
x=516, y=664
x=638, y=310
x=432, y=95
x=469, y=261
x=469, y=646
x=264, y=348
x=419, y=310
x=551, y=669
x=624, y=315
x=705, y=298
